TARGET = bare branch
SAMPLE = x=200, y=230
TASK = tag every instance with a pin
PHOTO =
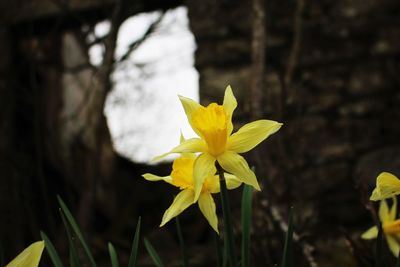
x=96, y=117
x=258, y=58
x=138, y=42
x=295, y=50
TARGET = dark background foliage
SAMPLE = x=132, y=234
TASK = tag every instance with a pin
x=329, y=70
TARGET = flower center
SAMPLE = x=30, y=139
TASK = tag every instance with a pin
x=182, y=172
x=391, y=227
x=211, y=122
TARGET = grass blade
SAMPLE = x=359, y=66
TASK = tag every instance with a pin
x=153, y=254
x=73, y=261
x=378, y=248
x=76, y=229
x=113, y=255
x=185, y=260
x=55, y=258
x=398, y=260
x=247, y=198
x=73, y=254
x=287, y=250
x=135, y=245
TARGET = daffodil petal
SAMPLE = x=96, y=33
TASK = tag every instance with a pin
x=192, y=145
x=383, y=211
x=237, y=165
x=213, y=184
x=371, y=233
x=207, y=207
x=251, y=134
x=29, y=257
x=181, y=202
x=229, y=105
x=231, y=182
x=155, y=178
x=204, y=166
x=376, y=195
x=189, y=105
x=182, y=138
x=393, y=245
x=387, y=185
x=393, y=210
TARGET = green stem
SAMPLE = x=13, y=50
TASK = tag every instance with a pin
x=228, y=230
x=246, y=223
x=287, y=250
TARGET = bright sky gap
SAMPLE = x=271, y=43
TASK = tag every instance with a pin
x=143, y=111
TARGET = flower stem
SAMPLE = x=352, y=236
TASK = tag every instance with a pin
x=246, y=223
x=228, y=229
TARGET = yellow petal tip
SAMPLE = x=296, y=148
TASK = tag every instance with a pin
x=155, y=159
x=163, y=222
x=278, y=126
x=196, y=195
x=374, y=197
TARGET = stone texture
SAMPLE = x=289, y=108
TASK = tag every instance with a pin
x=340, y=112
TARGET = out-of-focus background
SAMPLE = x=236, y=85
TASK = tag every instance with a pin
x=88, y=95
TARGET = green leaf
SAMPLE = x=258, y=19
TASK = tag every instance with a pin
x=135, y=245
x=185, y=260
x=55, y=258
x=287, y=250
x=76, y=229
x=113, y=255
x=73, y=254
x=378, y=248
x=153, y=254
x=247, y=198
x=73, y=261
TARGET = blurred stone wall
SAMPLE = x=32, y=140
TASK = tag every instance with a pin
x=340, y=111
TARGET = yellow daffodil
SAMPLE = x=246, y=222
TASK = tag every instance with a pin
x=30, y=257
x=213, y=124
x=387, y=185
x=182, y=177
x=390, y=227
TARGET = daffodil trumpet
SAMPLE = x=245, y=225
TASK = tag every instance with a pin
x=213, y=125
x=390, y=226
